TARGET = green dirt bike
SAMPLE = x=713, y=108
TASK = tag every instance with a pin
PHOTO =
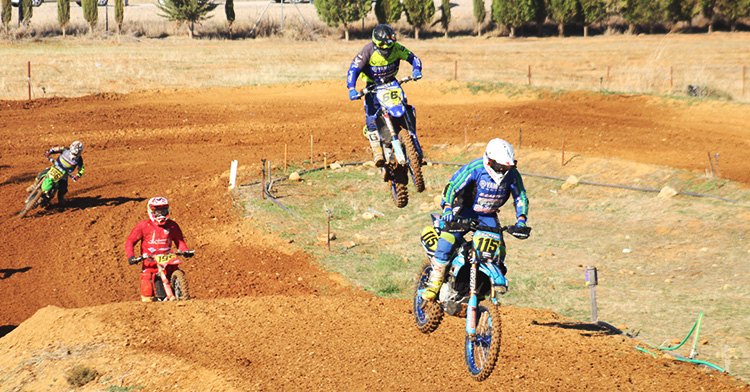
x=35, y=197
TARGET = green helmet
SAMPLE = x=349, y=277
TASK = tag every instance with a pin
x=384, y=38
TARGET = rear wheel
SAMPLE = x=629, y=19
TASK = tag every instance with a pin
x=415, y=166
x=180, y=286
x=482, y=350
x=427, y=314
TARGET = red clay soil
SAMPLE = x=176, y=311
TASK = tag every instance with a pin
x=266, y=317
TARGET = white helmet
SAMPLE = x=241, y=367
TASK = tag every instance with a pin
x=158, y=210
x=76, y=148
x=498, y=159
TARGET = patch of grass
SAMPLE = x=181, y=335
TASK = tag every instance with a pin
x=114, y=388
x=80, y=376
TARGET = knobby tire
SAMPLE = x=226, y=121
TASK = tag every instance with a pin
x=481, y=354
x=180, y=286
x=428, y=318
x=397, y=185
x=32, y=203
x=415, y=165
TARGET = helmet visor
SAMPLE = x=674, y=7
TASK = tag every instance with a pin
x=499, y=168
x=160, y=212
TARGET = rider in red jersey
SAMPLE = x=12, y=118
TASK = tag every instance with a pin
x=157, y=234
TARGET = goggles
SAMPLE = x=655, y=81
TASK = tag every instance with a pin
x=499, y=167
x=160, y=212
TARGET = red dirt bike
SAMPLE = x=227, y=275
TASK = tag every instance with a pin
x=169, y=289
x=34, y=199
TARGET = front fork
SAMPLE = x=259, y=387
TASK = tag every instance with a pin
x=397, y=149
x=471, y=310
x=167, y=286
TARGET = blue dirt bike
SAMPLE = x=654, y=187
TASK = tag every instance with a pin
x=397, y=126
x=475, y=273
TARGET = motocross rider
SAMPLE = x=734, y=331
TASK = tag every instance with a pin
x=378, y=62
x=478, y=190
x=157, y=233
x=67, y=162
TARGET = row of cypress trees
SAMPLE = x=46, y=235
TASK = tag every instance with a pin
x=90, y=13
x=512, y=14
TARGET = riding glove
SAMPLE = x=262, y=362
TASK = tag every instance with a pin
x=353, y=94
x=133, y=260
x=75, y=177
x=447, y=214
x=416, y=74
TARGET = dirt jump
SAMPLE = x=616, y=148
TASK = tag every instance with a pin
x=266, y=317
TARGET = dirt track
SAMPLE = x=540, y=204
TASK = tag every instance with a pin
x=267, y=318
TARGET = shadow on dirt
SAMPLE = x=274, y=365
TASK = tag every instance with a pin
x=587, y=327
x=8, y=272
x=21, y=178
x=6, y=329
x=82, y=203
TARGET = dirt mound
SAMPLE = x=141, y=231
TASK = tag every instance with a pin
x=266, y=317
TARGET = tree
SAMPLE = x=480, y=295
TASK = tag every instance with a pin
x=733, y=10
x=676, y=11
x=480, y=13
x=25, y=12
x=445, y=15
x=7, y=10
x=646, y=12
x=419, y=13
x=708, y=11
x=564, y=12
x=342, y=12
x=189, y=12
x=388, y=11
x=514, y=13
x=593, y=11
x=119, y=14
x=229, y=11
x=63, y=14
x=90, y=13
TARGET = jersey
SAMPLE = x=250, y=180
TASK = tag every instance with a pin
x=375, y=68
x=155, y=239
x=472, y=187
x=66, y=161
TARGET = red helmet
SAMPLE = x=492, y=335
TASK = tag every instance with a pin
x=158, y=210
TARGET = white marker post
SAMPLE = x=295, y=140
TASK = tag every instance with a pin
x=233, y=175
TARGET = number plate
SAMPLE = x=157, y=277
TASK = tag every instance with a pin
x=163, y=259
x=486, y=244
x=55, y=174
x=391, y=96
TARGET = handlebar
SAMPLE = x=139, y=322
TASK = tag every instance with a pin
x=374, y=86
x=461, y=224
x=186, y=253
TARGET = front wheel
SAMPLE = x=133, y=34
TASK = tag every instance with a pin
x=482, y=350
x=32, y=201
x=415, y=164
x=427, y=314
x=180, y=286
x=397, y=180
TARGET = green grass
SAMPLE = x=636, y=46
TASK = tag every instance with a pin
x=686, y=254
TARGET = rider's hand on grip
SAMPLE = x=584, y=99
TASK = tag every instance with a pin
x=521, y=233
x=46, y=154
x=75, y=177
x=188, y=253
x=447, y=214
x=416, y=74
x=133, y=260
x=353, y=94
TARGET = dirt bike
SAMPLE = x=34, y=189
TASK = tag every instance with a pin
x=169, y=289
x=34, y=198
x=475, y=273
x=397, y=127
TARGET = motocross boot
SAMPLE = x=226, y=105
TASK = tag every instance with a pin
x=377, y=150
x=435, y=281
x=147, y=299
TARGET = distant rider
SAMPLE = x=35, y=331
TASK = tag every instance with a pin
x=378, y=62
x=477, y=191
x=157, y=234
x=67, y=162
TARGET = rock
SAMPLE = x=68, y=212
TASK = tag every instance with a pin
x=667, y=192
x=294, y=176
x=569, y=183
x=368, y=216
x=322, y=237
x=335, y=166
